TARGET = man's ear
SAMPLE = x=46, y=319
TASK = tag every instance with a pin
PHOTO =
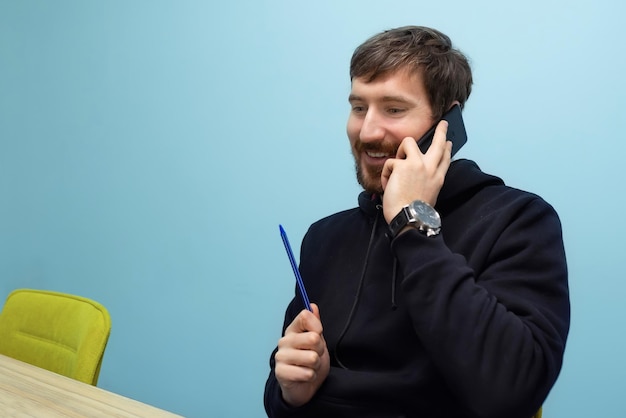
x=456, y=102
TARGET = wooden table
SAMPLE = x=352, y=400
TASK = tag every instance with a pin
x=29, y=391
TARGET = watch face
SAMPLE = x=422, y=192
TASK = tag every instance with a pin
x=426, y=214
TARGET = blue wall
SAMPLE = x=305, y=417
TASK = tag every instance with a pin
x=149, y=150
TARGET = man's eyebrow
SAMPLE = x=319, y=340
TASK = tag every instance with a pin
x=397, y=99
x=401, y=99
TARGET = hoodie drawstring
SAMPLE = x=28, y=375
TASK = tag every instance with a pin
x=358, y=292
x=393, y=284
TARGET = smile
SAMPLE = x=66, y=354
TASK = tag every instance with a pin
x=376, y=154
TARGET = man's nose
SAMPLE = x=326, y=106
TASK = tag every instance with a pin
x=372, y=129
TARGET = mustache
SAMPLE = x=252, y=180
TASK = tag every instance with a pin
x=388, y=149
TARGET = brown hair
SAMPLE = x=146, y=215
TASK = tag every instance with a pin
x=445, y=71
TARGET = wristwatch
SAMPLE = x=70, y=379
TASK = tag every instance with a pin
x=419, y=215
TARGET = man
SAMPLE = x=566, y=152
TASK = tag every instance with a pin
x=468, y=318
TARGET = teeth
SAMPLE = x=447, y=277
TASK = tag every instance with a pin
x=376, y=154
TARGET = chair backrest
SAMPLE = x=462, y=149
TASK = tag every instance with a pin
x=63, y=333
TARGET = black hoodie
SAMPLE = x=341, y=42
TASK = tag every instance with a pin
x=470, y=323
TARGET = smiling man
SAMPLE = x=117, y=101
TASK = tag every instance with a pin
x=461, y=307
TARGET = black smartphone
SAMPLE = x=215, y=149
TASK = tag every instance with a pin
x=456, y=131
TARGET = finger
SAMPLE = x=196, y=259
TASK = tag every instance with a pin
x=443, y=165
x=407, y=149
x=301, y=349
x=286, y=372
x=446, y=158
x=298, y=357
x=304, y=322
x=437, y=147
x=316, y=310
x=386, y=173
x=441, y=131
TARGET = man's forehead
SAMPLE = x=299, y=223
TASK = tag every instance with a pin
x=396, y=86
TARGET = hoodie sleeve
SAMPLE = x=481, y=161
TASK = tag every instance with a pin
x=494, y=321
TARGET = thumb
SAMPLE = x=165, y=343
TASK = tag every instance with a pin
x=316, y=310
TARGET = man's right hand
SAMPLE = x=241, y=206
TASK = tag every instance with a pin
x=302, y=360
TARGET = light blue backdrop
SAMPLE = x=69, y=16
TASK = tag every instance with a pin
x=149, y=150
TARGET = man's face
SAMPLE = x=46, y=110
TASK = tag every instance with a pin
x=383, y=113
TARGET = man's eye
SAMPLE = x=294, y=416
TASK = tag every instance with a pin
x=358, y=109
x=395, y=110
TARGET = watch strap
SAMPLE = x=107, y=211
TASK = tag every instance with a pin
x=402, y=219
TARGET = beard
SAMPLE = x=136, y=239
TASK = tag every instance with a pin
x=369, y=176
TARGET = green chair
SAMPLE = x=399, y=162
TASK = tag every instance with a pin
x=63, y=333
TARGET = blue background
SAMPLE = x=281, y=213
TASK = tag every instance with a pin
x=149, y=150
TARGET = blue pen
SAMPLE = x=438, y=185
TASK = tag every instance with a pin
x=294, y=266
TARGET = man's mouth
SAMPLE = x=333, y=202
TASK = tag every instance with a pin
x=373, y=154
